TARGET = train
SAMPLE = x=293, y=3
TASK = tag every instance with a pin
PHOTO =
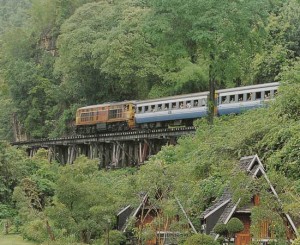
x=172, y=111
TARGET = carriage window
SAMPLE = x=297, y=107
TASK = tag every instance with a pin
x=152, y=107
x=224, y=100
x=174, y=105
x=188, y=104
x=195, y=103
x=241, y=97
x=203, y=102
x=267, y=95
x=232, y=98
x=275, y=92
x=159, y=107
x=249, y=96
x=146, y=108
x=166, y=106
x=258, y=95
x=139, y=109
x=181, y=106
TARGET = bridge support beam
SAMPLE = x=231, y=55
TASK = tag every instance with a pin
x=113, y=150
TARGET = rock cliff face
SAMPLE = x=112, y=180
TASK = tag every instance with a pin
x=48, y=43
x=18, y=130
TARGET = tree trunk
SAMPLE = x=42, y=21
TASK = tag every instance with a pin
x=6, y=227
x=50, y=232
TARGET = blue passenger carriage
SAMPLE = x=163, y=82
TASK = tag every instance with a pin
x=237, y=100
x=171, y=111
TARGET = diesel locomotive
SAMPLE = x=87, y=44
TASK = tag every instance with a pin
x=180, y=110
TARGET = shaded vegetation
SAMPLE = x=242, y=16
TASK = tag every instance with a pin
x=57, y=55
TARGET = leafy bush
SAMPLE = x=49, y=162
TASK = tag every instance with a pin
x=35, y=231
x=220, y=229
x=115, y=238
x=6, y=211
x=234, y=225
x=288, y=103
x=199, y=239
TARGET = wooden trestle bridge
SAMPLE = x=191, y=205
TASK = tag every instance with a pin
x=115, y=150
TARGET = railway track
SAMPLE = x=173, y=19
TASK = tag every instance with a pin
x=109, y=137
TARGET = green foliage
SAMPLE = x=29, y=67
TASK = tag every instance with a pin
x=12, y=169
x=220, y=229
x=288, y=103
x=6, y=211
x=131, y=50
x=13, y=14
x=234, y=225
x=35, y=231
x=86, y=200
x=200, y=239
x=282, y=44
x=115, y=238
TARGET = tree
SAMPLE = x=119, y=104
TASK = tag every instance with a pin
x=109, y=57
x=13, y=14
x=87, y=200
x=281, y=46
x=222, y=35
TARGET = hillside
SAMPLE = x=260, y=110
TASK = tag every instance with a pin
x=59, y=55
x=78, y=198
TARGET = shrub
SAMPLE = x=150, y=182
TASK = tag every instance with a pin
x=235, y=225
x=115, y=238
x=35, y=231
x=198, y=239
x=221, y=229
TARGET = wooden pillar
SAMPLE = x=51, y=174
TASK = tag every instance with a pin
x=136, y=153
x=106, y=154
x=118, y=151
x=71, y=154
x=123, y=157
x=131, y=153
x=101, y=155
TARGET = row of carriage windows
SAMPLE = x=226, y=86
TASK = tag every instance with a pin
x=234, y=98
x=172, y=106
x=251, y=96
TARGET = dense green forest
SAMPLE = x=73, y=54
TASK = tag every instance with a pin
x=57, y=55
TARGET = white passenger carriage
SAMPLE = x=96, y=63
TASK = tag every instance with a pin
x=171, y=110
x=183, y=109
x=237, y=100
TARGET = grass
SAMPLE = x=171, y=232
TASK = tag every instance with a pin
x=13, y=240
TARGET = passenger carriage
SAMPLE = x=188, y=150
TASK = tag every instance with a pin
x=237, y=100
x=171, y=111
